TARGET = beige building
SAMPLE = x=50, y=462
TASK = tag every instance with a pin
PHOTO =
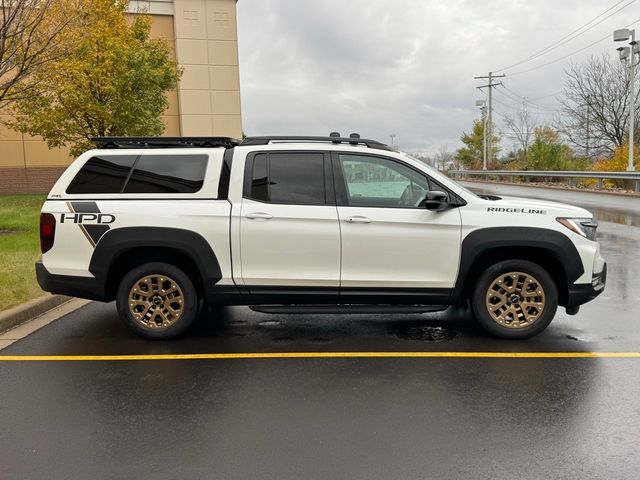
x=203, y=35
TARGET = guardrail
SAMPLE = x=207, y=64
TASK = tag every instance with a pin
x=569, y=175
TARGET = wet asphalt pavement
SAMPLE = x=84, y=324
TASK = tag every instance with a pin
x=349, y=418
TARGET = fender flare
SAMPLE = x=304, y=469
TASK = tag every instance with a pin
x=118, y=241
x=480, y=241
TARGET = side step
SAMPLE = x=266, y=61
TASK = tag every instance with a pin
x=343, y=309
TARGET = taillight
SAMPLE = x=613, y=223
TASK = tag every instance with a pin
x=47, y=231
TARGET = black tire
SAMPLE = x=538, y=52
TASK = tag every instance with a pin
x=159, y=321
x=481, y=295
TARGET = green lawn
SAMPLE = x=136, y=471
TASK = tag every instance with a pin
x=19, y=248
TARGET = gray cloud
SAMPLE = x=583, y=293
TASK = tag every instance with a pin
x=400, y=66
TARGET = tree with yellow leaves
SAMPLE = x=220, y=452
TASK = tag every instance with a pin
x=112, y=81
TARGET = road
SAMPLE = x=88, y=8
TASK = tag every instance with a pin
x=441, y=417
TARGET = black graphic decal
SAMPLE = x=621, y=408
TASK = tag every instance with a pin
x=88, y=217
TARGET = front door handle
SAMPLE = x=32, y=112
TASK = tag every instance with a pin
x=259, y=216
x=357, y=219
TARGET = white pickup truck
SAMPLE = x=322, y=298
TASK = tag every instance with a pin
x=169, y=226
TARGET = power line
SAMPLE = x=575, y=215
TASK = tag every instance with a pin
x=513, y=99
x=572, y=35
x=510, y=107
x=514, y=93
x=547, y=96
x=608, y=36
x=519, y=104
x=534, y=99
x=526, y=99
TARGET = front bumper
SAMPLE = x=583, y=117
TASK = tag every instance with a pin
x=82, y=287
x=583, y=293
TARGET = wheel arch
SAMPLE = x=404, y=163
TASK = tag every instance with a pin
x=121, y=249
x=548, y=248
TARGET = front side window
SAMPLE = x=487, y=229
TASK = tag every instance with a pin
x=288, y=178
x=104, y=174
x=380, y=182
x=167, y=174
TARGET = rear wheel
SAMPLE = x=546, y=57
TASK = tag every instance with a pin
x=515, y=299
x=157, y=301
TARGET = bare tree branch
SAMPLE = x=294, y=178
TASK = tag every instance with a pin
x=444, y=157
x=595, y=105
x=520, y=128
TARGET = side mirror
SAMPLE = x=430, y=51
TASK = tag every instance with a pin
x=436, y=200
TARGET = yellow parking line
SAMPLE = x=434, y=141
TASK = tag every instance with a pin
x=232, y=356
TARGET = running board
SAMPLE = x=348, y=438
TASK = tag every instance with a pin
x=369, y=309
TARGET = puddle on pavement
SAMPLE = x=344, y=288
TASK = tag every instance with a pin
x=426, y=333
x=319, y=340
x=270, y=323
x=283, y=339
x=237, y=323
x=620, y=217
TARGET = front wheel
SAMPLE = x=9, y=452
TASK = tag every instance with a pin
x=157, y=301
x=515, y=299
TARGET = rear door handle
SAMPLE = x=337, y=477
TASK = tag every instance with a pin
x=259, y=216
x=357, y=219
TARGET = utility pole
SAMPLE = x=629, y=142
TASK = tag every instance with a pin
x=489, y=134
x=392, y=136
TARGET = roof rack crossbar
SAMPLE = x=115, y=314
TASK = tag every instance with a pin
x=164, y=142
x=352, y=140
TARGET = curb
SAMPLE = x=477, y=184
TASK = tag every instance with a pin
x=552, y=187
x=26, y=311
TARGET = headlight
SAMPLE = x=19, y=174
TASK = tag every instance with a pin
x=585, y=227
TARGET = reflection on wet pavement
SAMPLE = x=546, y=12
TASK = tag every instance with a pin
x=429, y=332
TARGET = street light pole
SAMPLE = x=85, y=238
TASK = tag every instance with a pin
x=483, y=108
x=632, y=103
x=484, y=139
x=626, y=53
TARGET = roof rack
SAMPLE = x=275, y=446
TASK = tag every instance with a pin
x=333, y=139
x=164, y=142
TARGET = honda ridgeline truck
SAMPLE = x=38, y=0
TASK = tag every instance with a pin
x=169, y=226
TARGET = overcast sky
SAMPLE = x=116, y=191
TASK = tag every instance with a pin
x=405, y=66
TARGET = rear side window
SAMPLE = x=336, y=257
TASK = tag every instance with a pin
x=167, y=174
x=102, y=175
x=141, y=174
x=296, y=178
x=289, y=178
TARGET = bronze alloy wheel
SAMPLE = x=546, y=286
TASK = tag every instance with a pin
x=156, y=301
x=515, y=300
